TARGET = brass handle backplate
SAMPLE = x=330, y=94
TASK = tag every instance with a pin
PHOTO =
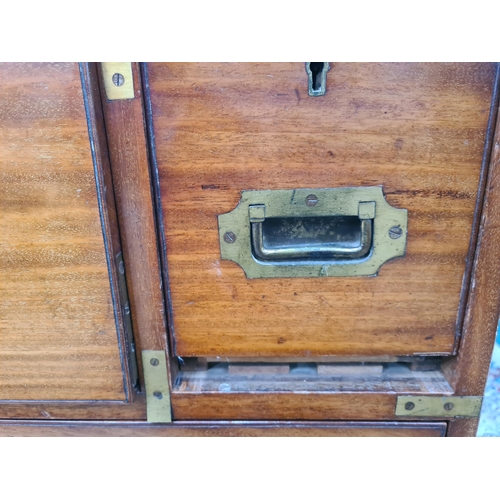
x=313, y=232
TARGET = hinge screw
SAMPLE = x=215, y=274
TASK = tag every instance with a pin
x=409, y=406
x=448, y=406
x=229, y=237
x=154, y=361
x=157, y=394
x=395, y=232
x=118, y=79
x=121, y=268
x=311, y=200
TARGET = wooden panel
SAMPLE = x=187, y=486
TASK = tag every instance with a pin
x=224, y=429
x=416, y=129
x=276, y=406
x=105, y=410
x=468, y=372
x=58, y=338
x=463, y=427
x=126, y=136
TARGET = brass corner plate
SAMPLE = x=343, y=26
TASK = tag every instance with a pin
x=438, y=406
x=118, y=80
x=235, y=232
x=157, y=389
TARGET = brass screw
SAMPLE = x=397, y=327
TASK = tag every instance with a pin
x=154, y=361
x=395, y=232
x=311, y=200
x=229, y=237
x=158, y=394
x=118, y=79
x=448, y=406
x=409, y=406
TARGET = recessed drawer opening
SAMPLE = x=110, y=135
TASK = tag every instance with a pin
x=414, y=376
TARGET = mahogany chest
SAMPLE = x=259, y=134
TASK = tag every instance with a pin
x=247, y=248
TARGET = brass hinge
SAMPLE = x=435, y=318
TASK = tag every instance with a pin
x=127, y=321
x=118, y=80
x=438, y=406
x=157, y=389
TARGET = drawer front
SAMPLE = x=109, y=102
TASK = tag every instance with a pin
x=416, y=130
x=226, y=429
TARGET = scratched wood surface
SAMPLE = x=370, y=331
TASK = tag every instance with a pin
x=58, y=338
x=223, y=429
x=418, y=130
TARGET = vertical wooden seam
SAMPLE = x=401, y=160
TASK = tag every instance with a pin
x=469, y=370
x=173, y=368
x=132, y=179
x=483, y=178
x=105, y=198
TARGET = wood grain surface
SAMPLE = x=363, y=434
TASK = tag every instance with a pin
x=418, y=130
x=462, y=427
x=58, y=337
x=128, y=151
x=76, y=410
x=467, y=372
x=302, y=405
x=223, y=429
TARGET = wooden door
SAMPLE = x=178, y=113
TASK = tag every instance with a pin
x=62, y=334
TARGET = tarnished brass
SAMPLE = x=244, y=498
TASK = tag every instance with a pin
x=157, y=389
x=118, y=80
x=439, y=406
x=333, y=250
x=345, y=232
x=316, y=73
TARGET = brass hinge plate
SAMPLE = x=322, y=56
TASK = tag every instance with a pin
x=157, y=389
x=438, y=406
x=118, y=80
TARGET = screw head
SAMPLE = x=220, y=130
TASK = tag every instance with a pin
x=157, y=394
x=448, y=406
x=127, y=308
x=395, y=232
x=311, y=200
x=121, y=268
x=409, y=406
x=118, y=79
x=154, y=361
x=229, y=237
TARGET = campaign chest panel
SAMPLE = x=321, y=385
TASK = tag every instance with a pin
x=416, y=130
x=59, y=336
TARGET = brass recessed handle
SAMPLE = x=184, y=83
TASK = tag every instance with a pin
x=312, y=251
x=313, y=232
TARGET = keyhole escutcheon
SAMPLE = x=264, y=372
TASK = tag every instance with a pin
x=316, y=72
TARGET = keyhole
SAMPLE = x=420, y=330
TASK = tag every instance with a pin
x=316, y=70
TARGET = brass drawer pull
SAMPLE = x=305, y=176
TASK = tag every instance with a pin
x=341, y=249
x=313, y=232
